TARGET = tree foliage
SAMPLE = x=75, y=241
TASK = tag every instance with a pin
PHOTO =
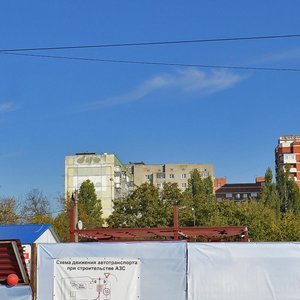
x=36, y=208
x=274, y=217
x=269, y=196
x=287, y=190
x=199, y=187
x=90, y=207
x=61, y=223
x=266, y=220
x=8, y=211
x=143, y=208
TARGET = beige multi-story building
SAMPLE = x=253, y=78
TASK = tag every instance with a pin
x=174, y=173
x=110, y=177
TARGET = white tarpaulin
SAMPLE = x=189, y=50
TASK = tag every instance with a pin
x=15, y=293
x=244, y=271
x=162, y=268
x=92, y=278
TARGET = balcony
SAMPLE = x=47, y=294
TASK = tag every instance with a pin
x=289, y=158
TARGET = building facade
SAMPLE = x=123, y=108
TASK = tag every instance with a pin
x=159, y=174
x=110, y=177
x=240, y=191
x=219, y=182
x=287, y=152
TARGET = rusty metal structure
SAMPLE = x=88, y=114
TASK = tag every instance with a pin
x=175, y=233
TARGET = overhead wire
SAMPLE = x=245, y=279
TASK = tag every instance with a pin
x=153, y=43
x=55, y=212
x=155, y=63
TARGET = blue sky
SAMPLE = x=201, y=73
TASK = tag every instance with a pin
x=50, y=108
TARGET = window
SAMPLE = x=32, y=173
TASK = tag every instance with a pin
x=183, y=176
x=183, y=185
x=228, y=195
x=148, y=177
x=245, y=196
x=238, y=196
x=171, y=176
x=254, y=194
x=160, y=175
x=204, y=174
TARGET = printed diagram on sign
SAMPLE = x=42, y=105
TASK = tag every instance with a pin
x=87, y=288
x=96, y=278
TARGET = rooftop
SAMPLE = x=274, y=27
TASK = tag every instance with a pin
x=290, y=137
x=26, y=233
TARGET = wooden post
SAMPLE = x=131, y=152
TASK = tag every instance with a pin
x=33, y=270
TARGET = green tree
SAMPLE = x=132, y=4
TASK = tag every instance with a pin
x=90, y=207
x=195, y=184
x=170, y=195
x=41, y=219
x=198, y=200
x=61, y=225
x=198, y=187
x=61, y=222
x=289, y=227
x=143, y=208
x=208, y=188
x=269, y=196
x=260, y=220
x=288, y=190
x=8, y=211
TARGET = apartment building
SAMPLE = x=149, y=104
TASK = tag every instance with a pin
x=159, y=174
x=240, y=191
x=110, y=177
x=287, y=152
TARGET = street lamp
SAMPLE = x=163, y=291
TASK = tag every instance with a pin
x=194, y=215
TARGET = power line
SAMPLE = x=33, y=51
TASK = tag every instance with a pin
x=170, y=42
x=55, y=212
x=155, y=63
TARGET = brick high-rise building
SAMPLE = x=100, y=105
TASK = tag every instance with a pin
x=287, y=152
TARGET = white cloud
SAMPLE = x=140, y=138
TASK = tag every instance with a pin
x=287, y=55
x=7, y=106
x=187, y=81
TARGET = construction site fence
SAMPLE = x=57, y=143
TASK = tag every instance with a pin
x=168, y=271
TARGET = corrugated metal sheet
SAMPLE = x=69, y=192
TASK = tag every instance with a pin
x=12, y=261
